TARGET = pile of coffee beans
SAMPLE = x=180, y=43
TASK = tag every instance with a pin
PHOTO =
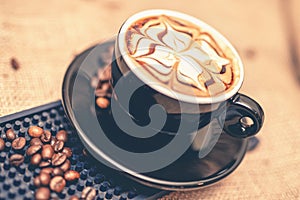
x=101, y=79
x=103, y=89
x=50, y=154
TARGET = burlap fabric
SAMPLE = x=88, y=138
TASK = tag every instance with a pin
x=44, y=36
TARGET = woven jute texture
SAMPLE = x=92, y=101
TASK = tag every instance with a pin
x=44, y=36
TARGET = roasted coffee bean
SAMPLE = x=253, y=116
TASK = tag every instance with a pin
x=33, y=150
x=102, y=102
x=100, y=72
x=47, y=151
x=35, y=141
x=57, y=184
x=16, y=159
x=53, y=140
x=104, y=74
x=18, y=143
x=42, y=193
x=67, y=151
x=2, y=144
x=47, y=170
x=57, y=172
x=62, y=135
x=36, y=159
x=58, y=159
x=100, y=93
x=58, y=146
x=37, y=181
x=46, y=137
x=14, y=64
x=74, y=197
x=46, y=163
x=71, y=175
x=94, y=82
x=66, y=166
x=105, y=86
x=35, y=131
x=88, y=193
x=44, y=178
x=10, y=135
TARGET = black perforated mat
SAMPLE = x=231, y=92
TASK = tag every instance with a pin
x=17, y=182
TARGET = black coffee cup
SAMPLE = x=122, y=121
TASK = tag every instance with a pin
x=163, y=136
x=134, y=95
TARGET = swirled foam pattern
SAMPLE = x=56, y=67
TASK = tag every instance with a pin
x=182, y=56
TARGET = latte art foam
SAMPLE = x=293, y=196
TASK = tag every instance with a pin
x=180, y=55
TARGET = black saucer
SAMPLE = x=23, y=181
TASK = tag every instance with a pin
x=188, y=172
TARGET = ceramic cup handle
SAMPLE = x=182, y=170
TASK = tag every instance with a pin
x=244, y=117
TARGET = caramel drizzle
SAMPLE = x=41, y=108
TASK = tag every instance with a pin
x=212, y=75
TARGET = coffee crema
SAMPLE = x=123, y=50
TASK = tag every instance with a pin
x=182, y=56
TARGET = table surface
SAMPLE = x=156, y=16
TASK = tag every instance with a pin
x=45, y=36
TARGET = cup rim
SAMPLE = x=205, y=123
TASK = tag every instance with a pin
x=122, y=50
